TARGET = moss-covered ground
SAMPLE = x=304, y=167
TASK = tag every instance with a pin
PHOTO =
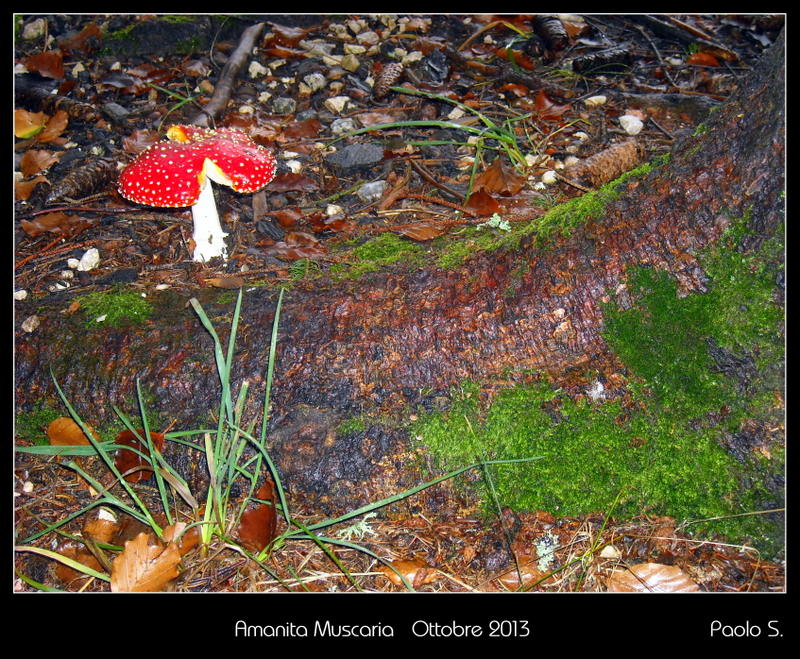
x=699, y=368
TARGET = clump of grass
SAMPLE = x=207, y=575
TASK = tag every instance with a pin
x=236, y=454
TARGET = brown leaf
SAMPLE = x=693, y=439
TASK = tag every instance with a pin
x=298, y=130
x=415, y=570
x=287, y=36
x=67, y=225
x=527, y=575
x=49, y=64
x=515, y=88
x=287, y=217
x=483, y=204
x=500, y=178
x=297, y=245
x=226, y=281
x=100, y=528
x=27, y=124
x=420, y=232
x=187, y=540
x=76, y=552
x=547, y=109
x=143, y=567
x=289, y=181
x=87, y=40
x=127, y=460
x=63, y=431
x=373, y=118
x=651, y=578
x=24, y=189
x=139, y=140
x=702, y=58
x=35, y=161
x=54, y=127
x=259, y=522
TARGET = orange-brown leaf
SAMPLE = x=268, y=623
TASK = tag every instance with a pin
x=500, y=178
x=100, y=528
x=55, y=127
x=225, y=281
x=259, y=522
x=144, y=566
x=702, y=58
x=650, y=578
x=24, y=189
x=186, y=540
x=87, y=40
x=49, y=64
x=62, y=223
x=298, y=130
x=127, y=460
x=420, y=232
x=547, y=109
x=63, y=431
x=27, y=124
x=76, y=552
x=289, y=181
x=483, y=204
x=35, y=161
x=415, y=570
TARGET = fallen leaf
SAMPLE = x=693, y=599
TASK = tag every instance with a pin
x=63, y=431
x=87, y=40
x=650, y=578
x=287, y=36
x=139, y=140
x=527, y=574
x=702, y=59
x=187, y=540
x=289, y=182
x=144, y=566
x=226, y=281
x=101, y=528
x=24, y=189
x=297, y=245
x=27, y=124
x=420, y=232
x=35, y=161
x=259, y=521
x=298, y=130
x=500, y=178
x=50, y=64
x=547, y=109
x=127, y=460
x=61, y=223
x=77, y=552
x=415, y=570
x=483, y=204
x=58, y=122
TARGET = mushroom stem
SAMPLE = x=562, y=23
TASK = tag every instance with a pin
x=209, y=238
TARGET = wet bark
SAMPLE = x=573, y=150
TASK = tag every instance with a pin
x=393, y=339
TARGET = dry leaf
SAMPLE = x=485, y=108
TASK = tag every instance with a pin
x=63, y=431
x=259, y=521
x=419, y=231
x=143, y=567
x=483, y=204
x=651, y=578
x=702, y=58
x=298, y=130
x=187, y=540
x=55, y=127
x=27, y=124
x=101, y=528
x=34, y=161
x=49, y=64
x=67, y=225
x=24, y=189
x=416, y=571
x=499, y=178
x=527, y=575
x=226, y=281
x=547, y=109
x=289, y=182
x=77, y=552
x=127, y=460
x=87, y=40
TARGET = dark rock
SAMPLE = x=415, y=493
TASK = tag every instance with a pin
x=356, y=156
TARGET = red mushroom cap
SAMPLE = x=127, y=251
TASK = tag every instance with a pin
x=173, y=173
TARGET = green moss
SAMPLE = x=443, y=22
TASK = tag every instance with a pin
x=119, y=306
x=375, y=254
x=352, y=425
x=664, y=450
x=32, y=426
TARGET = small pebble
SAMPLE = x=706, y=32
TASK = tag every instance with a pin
x=630, y=124
x=371, y=192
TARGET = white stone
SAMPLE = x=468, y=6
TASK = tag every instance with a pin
x=20, y=294
x=256, y=69
x=595, y=100
x=630, y=124
x=30, y=324
x=337, y=104
x=90, y=260
x=549, y=177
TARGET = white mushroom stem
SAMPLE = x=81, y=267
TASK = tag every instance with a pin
x=209, y=238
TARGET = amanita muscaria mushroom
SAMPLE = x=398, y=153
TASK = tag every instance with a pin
x=176, y=173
